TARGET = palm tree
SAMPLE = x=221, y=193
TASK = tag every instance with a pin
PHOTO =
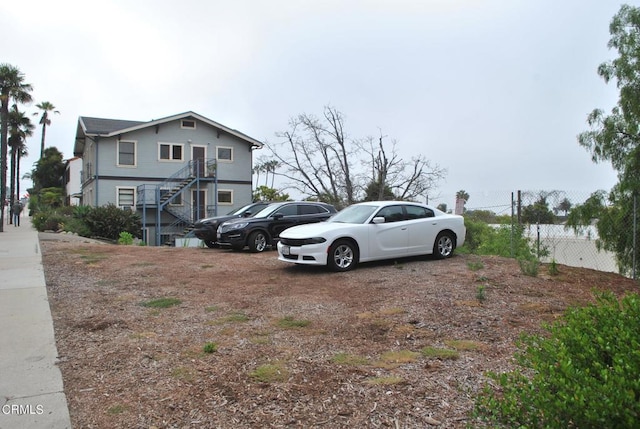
x=46, y=107
x=20, y=127
x=12, y=87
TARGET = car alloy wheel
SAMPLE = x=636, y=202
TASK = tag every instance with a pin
x=257, y=241
x=342, y=256
x=444, y=245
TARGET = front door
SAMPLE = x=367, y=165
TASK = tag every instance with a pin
x=199, y=204
x=198, y=156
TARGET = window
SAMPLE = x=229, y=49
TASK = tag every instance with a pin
x=288, y=210
x=414, y=212
x=391, y=213
x=170, y=151
x=309, y=209
x=188, y=123
x=126, y=197
x=126, y=153
x=224, y=153
x=225, y=197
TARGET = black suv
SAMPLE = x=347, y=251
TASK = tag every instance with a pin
x=205, y=229
x=263, y=229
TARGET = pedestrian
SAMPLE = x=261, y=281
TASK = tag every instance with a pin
x=16, y=209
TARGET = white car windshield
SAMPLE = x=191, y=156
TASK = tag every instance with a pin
x=354, y=214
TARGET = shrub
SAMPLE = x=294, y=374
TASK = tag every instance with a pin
x=585, y=373
x=125, y=238
x=49, y=220
x=109, y=221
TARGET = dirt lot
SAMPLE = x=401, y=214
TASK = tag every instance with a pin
x=288, y=346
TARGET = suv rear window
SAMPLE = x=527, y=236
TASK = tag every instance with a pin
x=309, y=209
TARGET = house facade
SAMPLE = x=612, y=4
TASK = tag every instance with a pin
x=173, y=170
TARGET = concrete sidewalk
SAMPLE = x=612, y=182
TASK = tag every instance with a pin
x=31, y=389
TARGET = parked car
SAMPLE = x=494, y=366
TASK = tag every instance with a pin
x=372, y=231
x=206, y=229
x=263, y=229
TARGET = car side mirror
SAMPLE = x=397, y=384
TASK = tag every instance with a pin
x=379, y=219
x=247, y=214
x=278, y=216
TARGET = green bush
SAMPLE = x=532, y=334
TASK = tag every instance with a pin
x=49, y=220
x=503, y=240
x=125, y=238
x=109, y=221
x=584, y=374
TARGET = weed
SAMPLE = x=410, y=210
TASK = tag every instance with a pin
x=529, y=267
x=211, y=309
x=480, y=296
x=434, y=352
x=270, y=373
x=210, y=348
x=553, y=268
x=289, y=322
x=392, y=311
x=161, y=303
x=475, y=265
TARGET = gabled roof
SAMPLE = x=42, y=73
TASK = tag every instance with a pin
x=98, y=127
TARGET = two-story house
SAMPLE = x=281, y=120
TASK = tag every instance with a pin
x=72, y=181
x=173, y=170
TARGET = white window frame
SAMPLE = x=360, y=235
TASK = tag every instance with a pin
x=230, y=192
x=120, y=188
x=135, y=154
x=218, y=153
x=182, y=125
x=171, y=146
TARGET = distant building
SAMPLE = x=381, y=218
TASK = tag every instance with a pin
x=72, y=181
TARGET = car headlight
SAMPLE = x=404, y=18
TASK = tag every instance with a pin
x=239, y=225
x=314, y=240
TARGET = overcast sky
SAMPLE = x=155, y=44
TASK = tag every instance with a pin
x=494, y=91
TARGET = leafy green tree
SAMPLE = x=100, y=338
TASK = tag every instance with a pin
x=47, y=174
x=20, y=127
x=564, y=206
x=538, y=212
x=265, y=193
x=12, y=89
x=45, y=121
x=372, y=193
x=615, y=137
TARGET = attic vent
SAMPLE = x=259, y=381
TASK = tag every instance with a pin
x=188, y=123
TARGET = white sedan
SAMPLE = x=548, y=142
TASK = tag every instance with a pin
x=372, y=231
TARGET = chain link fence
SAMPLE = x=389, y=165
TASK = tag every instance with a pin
x=543, y=216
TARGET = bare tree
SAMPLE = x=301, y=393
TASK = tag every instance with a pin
x=318, y=160
x=407, y=180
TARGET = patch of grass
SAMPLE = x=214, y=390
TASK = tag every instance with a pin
x=237, y=317
x=116, y=409
x=288, y=322
x=349, y=359
x=205, y=266
x=463, y=344
x=211, y=309
x=93, y=258
x=143, y=264
x=210, y=348
x=270, y=373
x=161, y=303
x=385, y=381
x=261, y=338
x=434, y=352
x=475, y=265
x=183, y=373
